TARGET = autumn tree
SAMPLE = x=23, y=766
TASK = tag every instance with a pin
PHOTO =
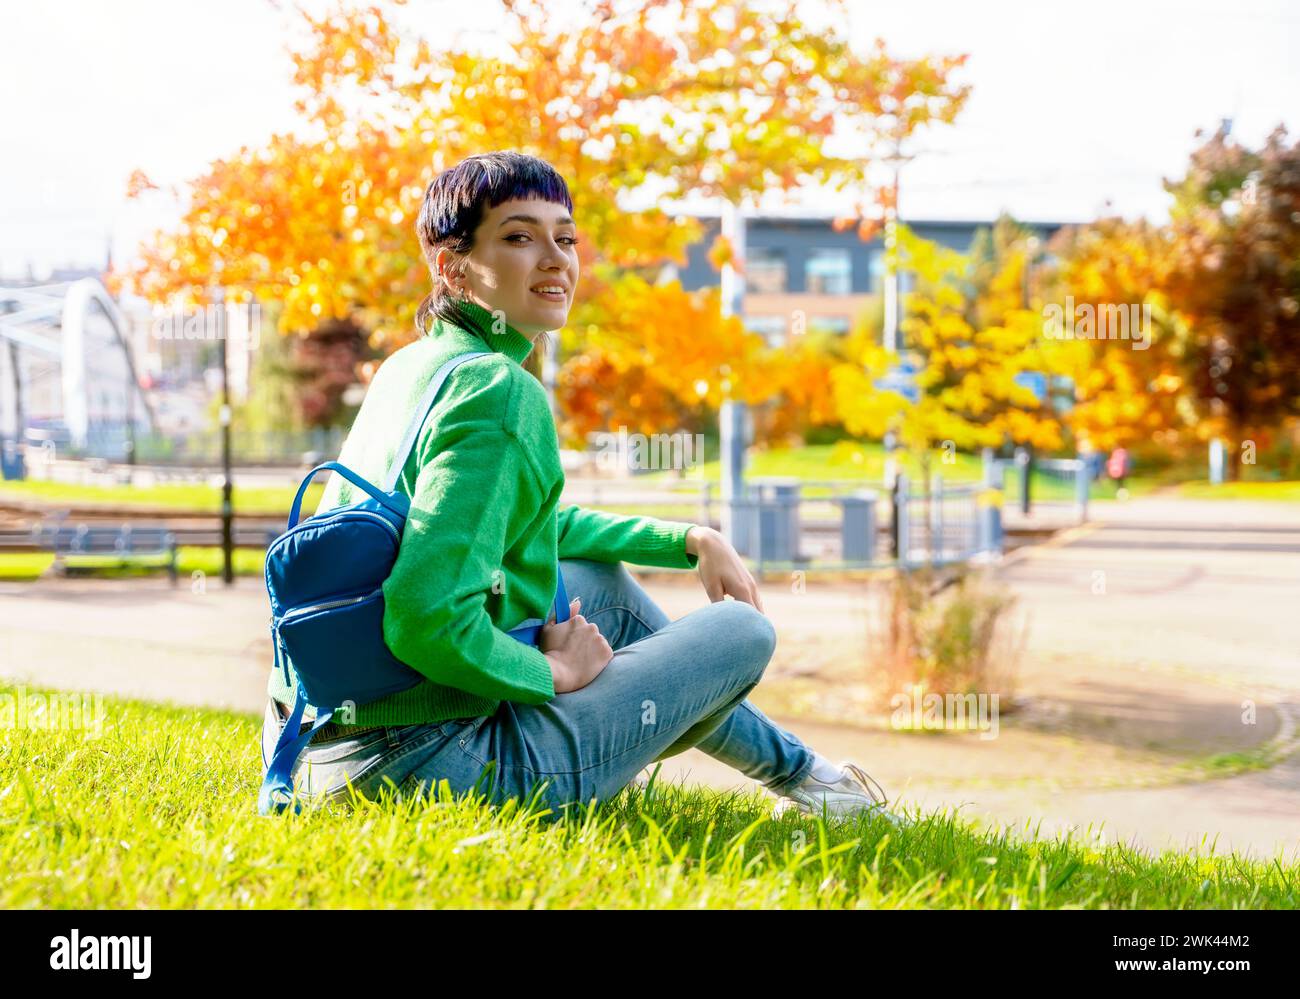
x=966, y=384
x=1126, y=391
x=888, y=103
x=703, y=97
x=1235, y=276
x=1219, y=284
x=634, y=92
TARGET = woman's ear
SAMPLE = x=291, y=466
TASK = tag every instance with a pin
x=447, y=269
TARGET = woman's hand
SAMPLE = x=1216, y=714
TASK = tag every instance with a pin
x=576, y=649
x=721, y=570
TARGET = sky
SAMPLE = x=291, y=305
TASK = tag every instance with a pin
x=1078, y=109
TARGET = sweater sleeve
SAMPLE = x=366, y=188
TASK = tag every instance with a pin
x=435, y=618
x=611, y=537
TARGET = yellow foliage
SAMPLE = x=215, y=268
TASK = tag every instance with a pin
x=965, y=376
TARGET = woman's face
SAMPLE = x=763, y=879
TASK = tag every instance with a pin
x=522, y=246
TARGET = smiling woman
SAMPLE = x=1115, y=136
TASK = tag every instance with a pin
x=599, y=697
x=519, y=255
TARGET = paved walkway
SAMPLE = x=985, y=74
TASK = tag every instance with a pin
x=1148, y=633
x=1153, y=631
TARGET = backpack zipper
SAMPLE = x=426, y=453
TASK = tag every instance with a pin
x=307, y=609
x=313, y=522
x=326, y=605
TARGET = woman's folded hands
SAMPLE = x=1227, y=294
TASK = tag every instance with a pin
x=576, y=650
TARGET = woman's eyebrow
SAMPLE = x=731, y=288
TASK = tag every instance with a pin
x=534, y=220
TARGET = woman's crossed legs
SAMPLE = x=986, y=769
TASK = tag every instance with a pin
x=670, y=686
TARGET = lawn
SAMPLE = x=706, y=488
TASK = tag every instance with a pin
x=257, y=501
x=157, y=810
x=1285, y=492
x=26, y=566
x=865, y=463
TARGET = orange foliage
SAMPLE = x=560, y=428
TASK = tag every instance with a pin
x=702, y=97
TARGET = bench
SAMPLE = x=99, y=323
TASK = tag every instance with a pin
x=128, y=542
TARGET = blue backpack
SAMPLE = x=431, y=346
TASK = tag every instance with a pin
x=325, y=579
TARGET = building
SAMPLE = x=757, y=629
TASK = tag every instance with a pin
x=800, y=266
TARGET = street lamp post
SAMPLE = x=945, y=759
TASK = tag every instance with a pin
x=732, y=416
x=891, y=339
x=890, y=332
x=1027, y=471
x=227, y=505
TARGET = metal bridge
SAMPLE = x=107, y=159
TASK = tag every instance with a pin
x=77, y=329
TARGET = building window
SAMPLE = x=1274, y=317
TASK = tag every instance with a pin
x=773, y=329
x=829, y=272
x=828, y=324
x=876, y=271
x=765, y=271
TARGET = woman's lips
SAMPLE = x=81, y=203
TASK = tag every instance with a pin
x=550, y=296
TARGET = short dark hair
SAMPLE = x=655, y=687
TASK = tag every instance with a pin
x=454, y=206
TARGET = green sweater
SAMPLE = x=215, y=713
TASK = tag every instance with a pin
x=478, y=555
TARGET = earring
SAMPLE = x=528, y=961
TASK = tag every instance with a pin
x=464, y=295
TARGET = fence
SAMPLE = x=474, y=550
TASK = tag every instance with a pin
x=942, y=525
x=789, y=523
x=951, y=522
x=247, y=447
x=1049, y=482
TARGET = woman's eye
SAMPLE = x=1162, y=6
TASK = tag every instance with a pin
x=513, y=237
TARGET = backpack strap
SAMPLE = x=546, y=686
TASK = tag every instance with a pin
x=421, y=414
x=399, y=459
x=276, y=793
x=530, y=632
x=352, y=477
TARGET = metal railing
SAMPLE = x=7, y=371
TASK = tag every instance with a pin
x=941, y=526
x=1045, y=482
x=116, y=443
x=844, y=524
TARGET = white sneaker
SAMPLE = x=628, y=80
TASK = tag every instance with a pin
x=854, y=793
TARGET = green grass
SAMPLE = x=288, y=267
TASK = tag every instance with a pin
x=865, y=463
x=158, y=811
x=256, y=501
x=26, y=566
x=1284, y=492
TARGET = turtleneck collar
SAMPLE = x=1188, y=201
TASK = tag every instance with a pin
x=499, y=335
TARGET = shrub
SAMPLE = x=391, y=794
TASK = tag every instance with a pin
x=950, y=631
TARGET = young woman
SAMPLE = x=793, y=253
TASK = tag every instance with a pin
x=618, y=685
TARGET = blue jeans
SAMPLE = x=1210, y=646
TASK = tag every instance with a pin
x=671, y=686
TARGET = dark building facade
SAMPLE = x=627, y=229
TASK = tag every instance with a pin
x=802, y=266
